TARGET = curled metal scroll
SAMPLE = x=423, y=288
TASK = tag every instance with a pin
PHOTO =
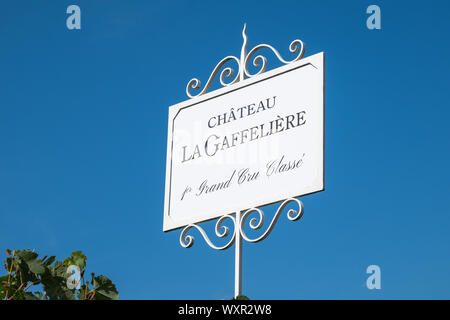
x=257, y=223
x=296, y=47
x=221, y=231
x=226, y=73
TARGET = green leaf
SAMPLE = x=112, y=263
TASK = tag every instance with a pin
x=57, y=290
x=21, y=263
x=105, y=289
x=68, y=294
x=36, y=266
x=58, y=270
x=54, y=282
x=26, y=255
x=77, y=258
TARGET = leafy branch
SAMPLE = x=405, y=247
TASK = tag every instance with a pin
x=32, y=278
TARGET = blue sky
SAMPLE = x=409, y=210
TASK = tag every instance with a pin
x=83, y=124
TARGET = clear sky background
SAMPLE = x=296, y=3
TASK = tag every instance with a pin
x=83, y=124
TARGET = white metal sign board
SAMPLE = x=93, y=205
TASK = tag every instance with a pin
x=252, y=143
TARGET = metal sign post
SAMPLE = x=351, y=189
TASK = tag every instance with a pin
x=238, y=260
x=178, y=213
x=238, y=233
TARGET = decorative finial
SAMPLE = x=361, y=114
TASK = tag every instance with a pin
x=243, y=54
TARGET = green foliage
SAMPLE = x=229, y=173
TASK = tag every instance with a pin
x=51, y=279
x=3, y=281
x=104, y=287
x=77, y=258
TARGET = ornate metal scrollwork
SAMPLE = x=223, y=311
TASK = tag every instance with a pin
x=296, y=47
x=257, y=223
x=226, y=73
x=221, y=231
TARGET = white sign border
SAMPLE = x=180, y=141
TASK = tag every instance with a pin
x=168, y=223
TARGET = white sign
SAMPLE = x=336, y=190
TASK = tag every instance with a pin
x=255, y=142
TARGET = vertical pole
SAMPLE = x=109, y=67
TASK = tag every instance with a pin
x=238, y=257
x=237, y=228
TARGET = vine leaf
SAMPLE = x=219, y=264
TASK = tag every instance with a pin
x=104, y=288
x=77, y=258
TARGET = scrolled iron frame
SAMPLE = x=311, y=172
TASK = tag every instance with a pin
x=259, y=61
